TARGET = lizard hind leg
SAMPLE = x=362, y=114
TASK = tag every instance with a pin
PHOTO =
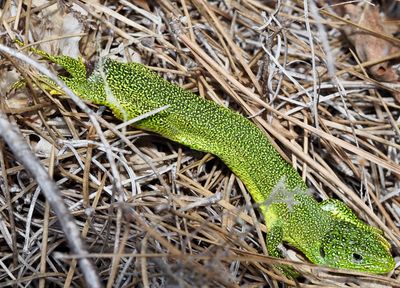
x=77, y=78
x=75, y=67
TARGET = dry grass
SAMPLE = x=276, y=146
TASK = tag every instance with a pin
x=181, y=218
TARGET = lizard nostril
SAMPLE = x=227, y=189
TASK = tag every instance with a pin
x=322, y=252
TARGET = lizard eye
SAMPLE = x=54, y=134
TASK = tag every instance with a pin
x=357, y=258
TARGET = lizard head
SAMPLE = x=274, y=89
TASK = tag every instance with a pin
x=356, y=247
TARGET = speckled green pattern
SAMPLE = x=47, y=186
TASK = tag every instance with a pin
x=328, y=233
x=200, y=128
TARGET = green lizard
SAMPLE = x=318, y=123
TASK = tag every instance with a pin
x=327, y=233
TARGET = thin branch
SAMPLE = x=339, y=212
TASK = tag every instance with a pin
x=14, y=139
x=22, y=152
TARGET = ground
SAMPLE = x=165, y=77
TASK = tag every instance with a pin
x=320, y=80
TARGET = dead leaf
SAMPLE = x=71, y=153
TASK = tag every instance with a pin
x=370, y=47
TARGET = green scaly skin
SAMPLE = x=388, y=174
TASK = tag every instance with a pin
x=327, y=233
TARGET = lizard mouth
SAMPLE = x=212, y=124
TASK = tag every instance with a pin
x=349, y=246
